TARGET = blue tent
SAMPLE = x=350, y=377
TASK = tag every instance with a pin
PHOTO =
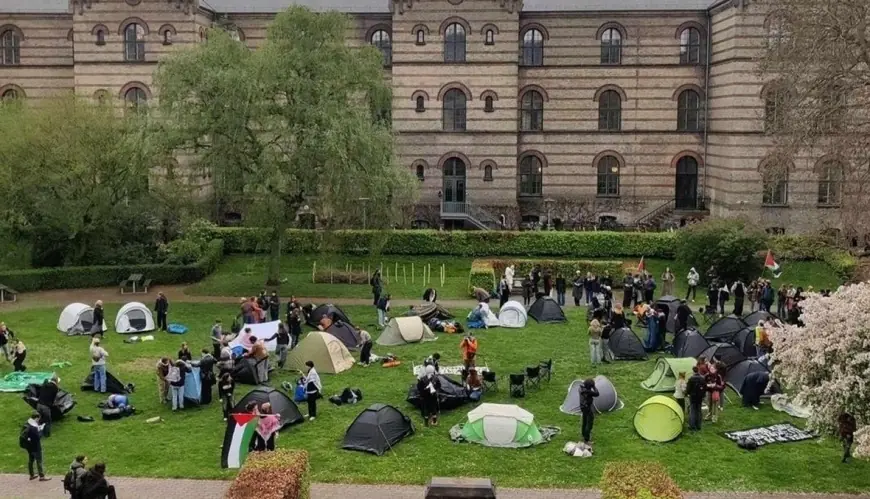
x=192, y=386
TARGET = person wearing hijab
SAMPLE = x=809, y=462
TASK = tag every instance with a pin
x=692, y=279
x=588, y=392
x=428, y=386
x=313, y=388
x=267, y=428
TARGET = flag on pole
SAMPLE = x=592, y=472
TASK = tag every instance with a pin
x=237, y=439
x=771, y=264
x=641, y=266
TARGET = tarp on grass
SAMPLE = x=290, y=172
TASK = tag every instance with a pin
x=19, y=381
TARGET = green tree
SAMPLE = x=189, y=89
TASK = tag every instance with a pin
x=298, y=122
x=74, y=177
x=730, y=245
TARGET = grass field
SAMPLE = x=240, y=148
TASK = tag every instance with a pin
x=188, y=444
x=243, y=275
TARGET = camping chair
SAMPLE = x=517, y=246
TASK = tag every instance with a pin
x=533, y=376
x=518, y=385
x=489, y=381
x=546, y=369
x=709, y=314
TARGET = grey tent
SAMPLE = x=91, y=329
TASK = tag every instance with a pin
x=328, y=310
x=451, y=395
x=112, y=384
x=725, y=328
x=625, y=345
x=606, y=401
x=281, y=404
x=63, y=401
x=744, y=340
x=377, y=430
x=669, y=305
x=428, y=310
x=737, y=374
x=546, y=310
x=759, y=315
x=689, y=343
x=725, y=352
x=345, y=333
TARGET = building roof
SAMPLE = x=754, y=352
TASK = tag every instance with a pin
x=35, y=6
x=269, y=6
x=612, y=5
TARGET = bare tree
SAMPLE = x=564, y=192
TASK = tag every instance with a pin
x=816, y=65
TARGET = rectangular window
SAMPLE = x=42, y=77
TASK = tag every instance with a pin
x=775, y=193
x=454, y=120
x=611, y=53
x=609, y=119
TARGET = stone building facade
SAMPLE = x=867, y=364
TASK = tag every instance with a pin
x=635, y=109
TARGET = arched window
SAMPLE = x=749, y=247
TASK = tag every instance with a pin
x=690, y=46
x=454, y=43
x=774, y=109
x=10, y=48
x=489, y=37
x=134, y=42
x=101, y=37
x=10, y=94
x=487, y=104
x=531, y=176
x=101, y=96
x=830, y=184
x=609, y=111
x=611, y=46
x=381, y=40
x=690, y=112
x=774, y=185
x=420, y=37
x=532, y=111
x=135, y=98
x=487, y=173
x=421, y=104
x=421, y=174
x=608, y=177
x=533, y=48
x=453, y=114
x=167, y=37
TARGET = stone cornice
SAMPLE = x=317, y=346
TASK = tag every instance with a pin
x=401, y=6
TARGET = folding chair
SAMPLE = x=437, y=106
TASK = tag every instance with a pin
x=489, y=381
x=709, y=315
x=533, y=376
x=546, y=369
x=518, y=385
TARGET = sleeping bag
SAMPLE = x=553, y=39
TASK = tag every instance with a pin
x=117, y=412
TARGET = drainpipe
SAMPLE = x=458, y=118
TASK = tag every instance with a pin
x=707, y=106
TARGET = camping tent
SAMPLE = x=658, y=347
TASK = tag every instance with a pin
x=606, y=401
x=451, y=395
x=501, y=425
x=689, y=343
x=402, y=330
x=664, y=375
x=725, y=328
x=261, y=331
x=281, y=404
x=326, y=351
x=513, y=314
x=428, y=310
x=736, y=374
x=345, y=333
x=625, y=345
x=489, y=317
x=327, y=310
x=669, y=305
x=134, y=317
x=77, y=318
x=744, y=340
x=545, y=309
x=63, y=402
x=725, y=352
x=377, y=429
x=245, y=372
x=192, y=387
x=112, y=384
x=659, y=419
x=759, y=315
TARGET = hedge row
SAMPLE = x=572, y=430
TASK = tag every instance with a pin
x=112, y=275
x=485, y=273
x=482, y=275
x=279, y=474
x=637, y=480
x=460, y=243
x=814, y=248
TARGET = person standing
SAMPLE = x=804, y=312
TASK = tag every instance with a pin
x=377, y=286
x=527, y=291
x=695, y=390
x=738, y=289
x=282, y=344
x=468, y=349
x=577, y=288
x=627, y=289
x=588, y=392
x=98, y=365
x=206, y=376
x=668, y=279
x=715, y=385
x=768, y=296
x=713, y=297
x=19, y=354
x=595, y=330
x=217, y=334
x=428, y=387
x=587, y=287
x=31, y=441
x=548, y=283
x=161, y=306
x=294, y=322
x=6, y=336
x=752, y=293
x=509, y=273
x=313, y=388
x=184, y=353
x=847, y=426
x=47, y=396
x=176, y=377
x=560, y=289
x=383, y=307
x=274, y=305
x=365, y=344
x=246, y=309
x=226, y=387
x=504, y=292
x=781, y=298
x=77, y=470
x=163, y=366
x=680, y=391
x=99, y=318
x=683, y=314
x=692, y=280
x=723, y=297
x=649, y=289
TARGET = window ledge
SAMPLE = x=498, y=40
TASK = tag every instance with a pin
x=418, y=110
x=530, y=196
x=824, y=206
x=768, y=205
x=607, y=196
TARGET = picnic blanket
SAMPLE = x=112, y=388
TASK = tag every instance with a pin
x=419, y=369
x=783, y=432
x=18, y=381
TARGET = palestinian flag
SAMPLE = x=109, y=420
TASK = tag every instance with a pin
x=771, y=264
x=641, y=266
x=237, y=439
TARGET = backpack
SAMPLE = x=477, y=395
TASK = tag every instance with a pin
x=23, y=438
x=69, y=482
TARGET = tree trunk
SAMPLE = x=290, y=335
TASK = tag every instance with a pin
x=273, y=278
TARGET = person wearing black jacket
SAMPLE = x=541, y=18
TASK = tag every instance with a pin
x=6, y=334
x=548, y=282
x=683, y=314
x=429, y=386
x=95, y=485
x=739, y=292
x=588, y=392
x=177, y=385
x=295, y=318
x=99, y=318
x=47, y=394
x=31, y=441
x=185, y=354
x=560, y=289
x=377, y=286
x=226, y=387
x=282, y=339
x=577, y=288
x=274, y=306
x=627, y=289
x=696, y=388
x=161, y=306
x=206, y=376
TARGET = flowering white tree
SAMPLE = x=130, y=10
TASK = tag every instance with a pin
x=826, y=363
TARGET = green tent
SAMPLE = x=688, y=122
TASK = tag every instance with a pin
x=659, y=419
x=501, y=425
x=664, y=375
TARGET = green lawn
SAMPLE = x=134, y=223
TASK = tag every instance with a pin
x=188, y=444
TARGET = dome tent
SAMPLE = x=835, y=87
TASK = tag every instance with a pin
x=377, y=429
x=659, y=419
x=725, y=352
x=625, y=345
x=736, y=374
x=327, y=310
x=606, y=401
x=689, y=343
x=513, y=314
x=546, y=310
x=134, y=317
x=744, y=340
x=754, y=318
x=112, y=384
x=669, y=305
x=725, y=328
x=451, y=395
x=345, y=333
x=77, y=318
x=428, y=310
x=501, y=425
x=281, y=404
x=328, y=353
x=63, y=401
x=404, y=330
x=664, y=375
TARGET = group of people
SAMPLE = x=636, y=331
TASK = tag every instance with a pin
x=429, y=383
x=13, y=348
x=707, y=382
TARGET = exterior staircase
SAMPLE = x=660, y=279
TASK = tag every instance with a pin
x=472, y=215
x=654, y=219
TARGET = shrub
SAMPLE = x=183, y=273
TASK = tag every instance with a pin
x=181, y=252
x=109, y=275
x=340, y=276
x=637, y=480
x=794, y=248
x=731, y=246
x=280, y=474
x=482, y=275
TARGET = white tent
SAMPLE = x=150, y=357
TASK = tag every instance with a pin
x=513, y=314
x=489, y=318
x=404, y=330
x=134, y=317
x=77, y=318
x=261, y=332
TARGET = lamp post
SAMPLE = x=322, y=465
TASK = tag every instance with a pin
x=548, y=203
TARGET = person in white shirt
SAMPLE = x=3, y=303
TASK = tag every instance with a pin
x=693, y=279
x=365, y=343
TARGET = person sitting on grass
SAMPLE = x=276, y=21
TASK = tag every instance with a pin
x=473, y=385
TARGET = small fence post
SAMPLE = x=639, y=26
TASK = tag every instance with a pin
x=404, y=275
x=313, y=270
x=412, y=272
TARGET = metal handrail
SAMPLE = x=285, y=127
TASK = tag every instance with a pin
x=473, y=212
x=665, y=207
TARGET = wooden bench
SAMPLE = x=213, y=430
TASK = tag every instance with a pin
x=7, y=294
x=129, y=284
x=146, y=285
